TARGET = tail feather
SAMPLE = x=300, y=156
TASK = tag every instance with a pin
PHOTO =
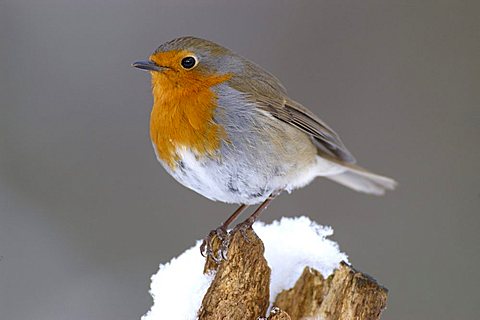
x=362, y=180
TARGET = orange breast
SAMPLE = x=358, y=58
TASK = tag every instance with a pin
x=182, y=114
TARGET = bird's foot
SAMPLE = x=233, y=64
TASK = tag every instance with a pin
x=207, y=248
x=242, y=227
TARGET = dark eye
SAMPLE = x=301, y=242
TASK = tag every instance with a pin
x=188, y=62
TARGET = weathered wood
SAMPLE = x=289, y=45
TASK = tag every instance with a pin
x=347, y=294
x=240, y=289
x=353, y=295
x=306, y=296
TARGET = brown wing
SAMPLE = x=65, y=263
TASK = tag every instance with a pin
x=270, y=95
x=300, y=117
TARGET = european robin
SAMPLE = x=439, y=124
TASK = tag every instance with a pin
x=224, y=127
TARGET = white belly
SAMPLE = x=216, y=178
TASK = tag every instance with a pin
x=218, y=180
x=237, y=182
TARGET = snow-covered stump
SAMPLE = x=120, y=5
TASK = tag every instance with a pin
x=296, y=270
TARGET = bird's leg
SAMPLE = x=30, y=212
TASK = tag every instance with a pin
x=245, y=225
x=222, y=234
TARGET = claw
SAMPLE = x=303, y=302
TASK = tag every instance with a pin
x=202, y=249
x=243, y=227
x=221, y=233
x=206, y=246
x=206, y=249
x=243, y=232
x=224, y=247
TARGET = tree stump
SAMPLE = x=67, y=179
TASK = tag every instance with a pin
x=346, y=294
x=240, y=289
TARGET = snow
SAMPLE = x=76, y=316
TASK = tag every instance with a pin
x=291, y=244
x=179, y=286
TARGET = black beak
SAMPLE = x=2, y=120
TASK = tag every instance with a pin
x=147, y=65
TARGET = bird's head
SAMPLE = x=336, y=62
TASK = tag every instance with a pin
x=190, y=62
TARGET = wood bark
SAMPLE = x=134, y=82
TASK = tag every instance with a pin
x=240, y=289
x=346, y=294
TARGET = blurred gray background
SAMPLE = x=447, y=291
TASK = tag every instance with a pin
x=87, y=214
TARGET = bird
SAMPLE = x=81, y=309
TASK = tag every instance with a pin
x=226, y=128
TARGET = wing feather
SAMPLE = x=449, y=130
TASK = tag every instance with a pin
x=295, y=114
x=268, y=93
